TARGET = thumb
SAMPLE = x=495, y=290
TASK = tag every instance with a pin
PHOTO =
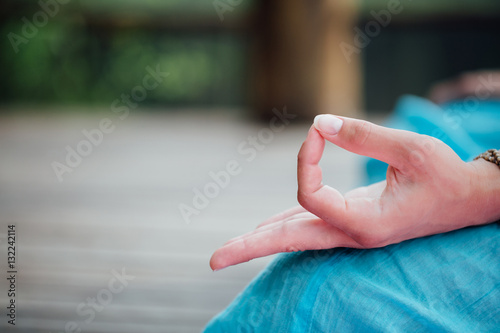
x=364, y=138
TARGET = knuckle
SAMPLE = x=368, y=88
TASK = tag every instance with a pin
x=422, y=150
x=303, y=199
x=359, y=133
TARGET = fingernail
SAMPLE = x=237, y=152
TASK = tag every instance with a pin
x=219, y=269
x=328, y=123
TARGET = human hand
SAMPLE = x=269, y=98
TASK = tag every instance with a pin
x=428, y=190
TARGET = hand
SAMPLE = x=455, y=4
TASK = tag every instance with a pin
x=428, y=190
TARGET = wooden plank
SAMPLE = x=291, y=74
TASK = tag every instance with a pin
x=119, y=210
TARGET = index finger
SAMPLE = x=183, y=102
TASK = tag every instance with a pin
x=319, y=199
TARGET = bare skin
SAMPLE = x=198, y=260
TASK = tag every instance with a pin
x=428, y=190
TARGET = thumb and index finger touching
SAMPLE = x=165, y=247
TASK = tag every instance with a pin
x=357, y=136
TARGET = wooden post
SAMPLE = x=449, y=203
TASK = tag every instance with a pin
x=339, y=77
x=298, y=61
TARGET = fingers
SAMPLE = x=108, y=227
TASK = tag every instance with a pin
x=264, y=227
x=309, y=174
x=292, y=213
x=323, y=201
x=293, y=235
x=350, y=215
x=283, y=215
x=364, y=138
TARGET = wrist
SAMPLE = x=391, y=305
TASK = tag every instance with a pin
x=485, y=194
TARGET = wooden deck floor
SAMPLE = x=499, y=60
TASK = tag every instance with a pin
x=117, y=214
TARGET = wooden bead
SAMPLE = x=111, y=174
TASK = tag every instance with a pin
x=491, y=155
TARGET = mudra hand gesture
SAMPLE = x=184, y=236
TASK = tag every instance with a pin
x=428, y=190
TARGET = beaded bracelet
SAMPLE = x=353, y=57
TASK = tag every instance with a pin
x=491, y=155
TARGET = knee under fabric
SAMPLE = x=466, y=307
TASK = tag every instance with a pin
x=443, y=283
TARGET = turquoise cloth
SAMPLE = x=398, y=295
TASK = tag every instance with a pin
x=443, y=283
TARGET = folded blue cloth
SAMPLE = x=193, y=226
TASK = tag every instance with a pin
x=443, y=283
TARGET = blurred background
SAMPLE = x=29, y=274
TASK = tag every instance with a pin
x=118, y=118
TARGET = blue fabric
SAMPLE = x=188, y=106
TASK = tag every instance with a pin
x=443, y=283
x=469, y=126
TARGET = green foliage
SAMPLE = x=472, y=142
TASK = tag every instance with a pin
x=71, y=61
